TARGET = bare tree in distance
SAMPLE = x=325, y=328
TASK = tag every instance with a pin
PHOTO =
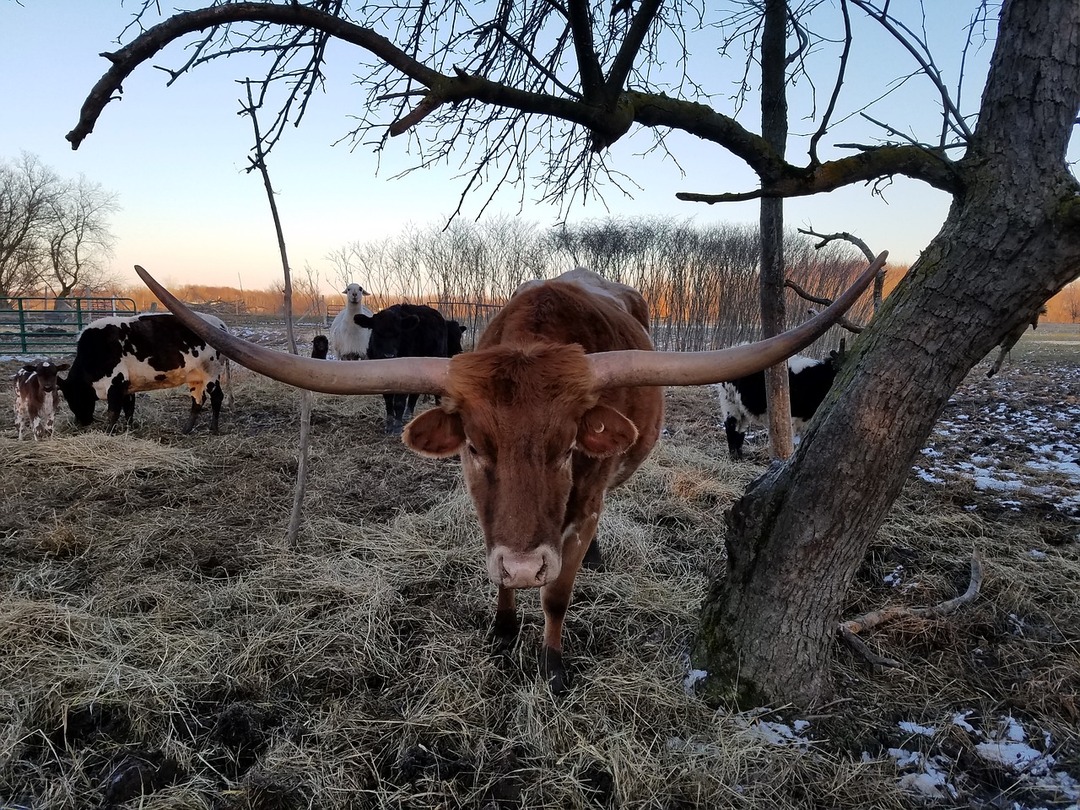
x=566, y=81
x=54, y=233
x=78, y=239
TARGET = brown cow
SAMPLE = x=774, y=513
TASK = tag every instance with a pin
x=36, y=397
x=559, y=402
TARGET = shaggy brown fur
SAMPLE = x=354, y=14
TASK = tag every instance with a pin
x=539, y=446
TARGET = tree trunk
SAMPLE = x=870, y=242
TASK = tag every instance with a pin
x=1011, y=239
x=774, y=129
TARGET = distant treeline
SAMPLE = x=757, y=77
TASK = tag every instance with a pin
x=701, y=281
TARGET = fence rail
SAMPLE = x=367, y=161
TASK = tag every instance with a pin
x=30, y=326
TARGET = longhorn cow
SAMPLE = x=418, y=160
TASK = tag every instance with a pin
x=559, y=402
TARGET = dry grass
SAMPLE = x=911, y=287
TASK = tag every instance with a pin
x=160, y=647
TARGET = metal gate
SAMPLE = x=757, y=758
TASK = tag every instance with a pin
x=29, y=327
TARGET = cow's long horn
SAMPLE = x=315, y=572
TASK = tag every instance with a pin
x=616, y=369
x=404, y=375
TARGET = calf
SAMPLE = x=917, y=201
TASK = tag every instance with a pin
x=116, y=358
x=742, y=401
x=36, y=396
x=404, y=330
x=348, y=339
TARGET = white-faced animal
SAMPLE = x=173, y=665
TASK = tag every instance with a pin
x=36, y=397
x=349, y=340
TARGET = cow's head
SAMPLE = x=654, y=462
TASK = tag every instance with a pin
x=42, y=374
x=387, y=328
x=454, y=332
x=520, y=418
x=80, y=397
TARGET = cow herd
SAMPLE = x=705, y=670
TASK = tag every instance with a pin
x=118, y=357
x=561, y=400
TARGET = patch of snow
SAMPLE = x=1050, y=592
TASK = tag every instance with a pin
x=915, y=728
x=779, y=734
x=960, y=718
x=927, y=477
x=894, y=577
x=693, y=678
x=1035, y=554
x=1016, y=756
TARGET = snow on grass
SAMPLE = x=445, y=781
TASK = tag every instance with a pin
x=930, y=774
x=1023, y=447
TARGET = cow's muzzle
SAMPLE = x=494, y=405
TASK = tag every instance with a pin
x=523, y=569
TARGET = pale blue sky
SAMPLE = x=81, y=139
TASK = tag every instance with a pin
x=175, y=156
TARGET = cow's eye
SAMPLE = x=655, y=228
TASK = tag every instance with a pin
x=472, y=449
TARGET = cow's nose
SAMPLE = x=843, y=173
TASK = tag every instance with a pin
x=531, y=569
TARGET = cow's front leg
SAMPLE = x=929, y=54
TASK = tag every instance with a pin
x=117, y=399
x=555, y=599
x=196, y=409
x=217, y=396
x=505, y=630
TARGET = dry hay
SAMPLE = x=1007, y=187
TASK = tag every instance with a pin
x=105, y=456
x=161, y=647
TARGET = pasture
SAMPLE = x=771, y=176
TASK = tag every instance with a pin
x=162, y=647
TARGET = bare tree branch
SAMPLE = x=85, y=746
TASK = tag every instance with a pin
x=872, y=619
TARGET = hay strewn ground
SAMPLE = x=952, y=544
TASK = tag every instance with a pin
x=160, y=647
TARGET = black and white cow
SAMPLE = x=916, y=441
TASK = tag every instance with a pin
x=742, y=401
x=116, y=358
x=404, y=330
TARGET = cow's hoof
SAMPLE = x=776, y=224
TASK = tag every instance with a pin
x=504, y=632
x=553, y=671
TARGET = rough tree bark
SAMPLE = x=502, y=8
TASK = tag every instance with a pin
x=1012, y=238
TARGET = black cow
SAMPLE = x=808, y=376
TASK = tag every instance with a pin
x=115, y=358
x=454, y=331
x=742, y=401
x=404, y=330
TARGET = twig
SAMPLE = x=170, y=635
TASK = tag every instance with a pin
x=259, y=162
x=799, y=291
x=875, y=617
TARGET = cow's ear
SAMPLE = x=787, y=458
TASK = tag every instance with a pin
x=409, y=322
x=63, y=367
x=435, y=433
x=360, y=319
x=603, y=432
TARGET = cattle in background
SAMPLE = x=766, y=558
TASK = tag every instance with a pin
x=560, y=401
x=115, y=358
x=320, y=347
x=1011, y=339
x=743, y=404
x=348, y=339
x=404, y=330
x=454, y=331
x=36, y=397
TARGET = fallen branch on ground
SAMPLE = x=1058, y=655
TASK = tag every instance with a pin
x=849, y=629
